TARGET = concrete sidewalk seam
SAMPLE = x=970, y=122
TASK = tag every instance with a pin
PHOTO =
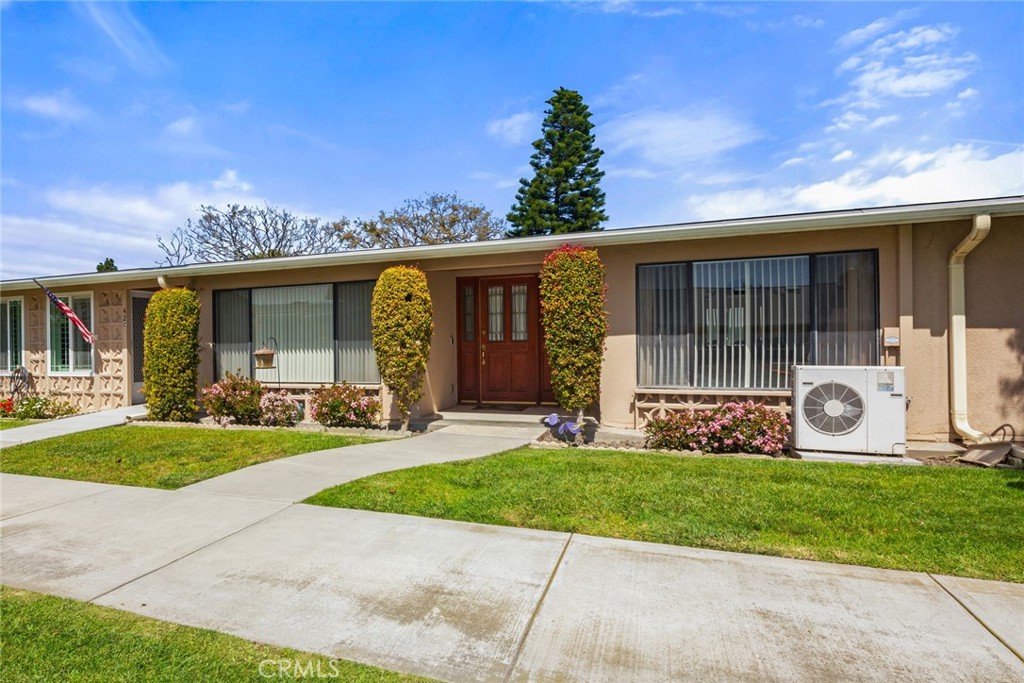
x=981, y=621
x=189, y=554
x=63, y=502
x=536, y=610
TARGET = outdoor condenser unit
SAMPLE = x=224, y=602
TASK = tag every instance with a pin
x=849, y=409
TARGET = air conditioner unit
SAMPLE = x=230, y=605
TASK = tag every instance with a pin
x=849, y=409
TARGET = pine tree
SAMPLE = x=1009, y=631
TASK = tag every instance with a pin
x=564, y=195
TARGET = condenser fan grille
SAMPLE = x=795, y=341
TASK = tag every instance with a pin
x=833, y=408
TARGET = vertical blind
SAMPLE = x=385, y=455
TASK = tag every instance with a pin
x=742, y=323
x=356, y=360
x=321, y=333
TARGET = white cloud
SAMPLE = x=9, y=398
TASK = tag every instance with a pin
x=673, y=138
x=183, y=127
x=515, y=129
x=803, y=21
x=891, y=177
x=229, y=180
x=847, y=121
x=639, y=173
x=875, y=28
x=128, y=35
x=794, y=161
x=495, y=180
x=883, y=121
x=967, y=94
x=59, y=106
x=845, y=155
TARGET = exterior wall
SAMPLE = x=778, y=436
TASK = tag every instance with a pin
x=994, y=275
x=109, y=385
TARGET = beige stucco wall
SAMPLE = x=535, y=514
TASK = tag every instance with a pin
x=912, y=255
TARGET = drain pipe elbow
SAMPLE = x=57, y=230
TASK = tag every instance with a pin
x=958, y=332
x=162, y=282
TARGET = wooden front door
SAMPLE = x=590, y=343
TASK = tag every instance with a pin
x=500, y=349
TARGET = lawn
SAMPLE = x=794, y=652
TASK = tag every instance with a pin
x=957, y=521
x=11, y=423
x=55, y=639
x=160, y=457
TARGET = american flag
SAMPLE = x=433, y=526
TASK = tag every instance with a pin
x=66, y=310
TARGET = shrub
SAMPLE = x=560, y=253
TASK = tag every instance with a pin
x=234, y=398
x=730, y=428
x=402, y=320
x=572, y=297
x=278, y=409
x=40, y=408
x=6, y=407
x=343, y=405
x=171, y=341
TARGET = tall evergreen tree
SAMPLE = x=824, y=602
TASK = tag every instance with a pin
x=564, y=194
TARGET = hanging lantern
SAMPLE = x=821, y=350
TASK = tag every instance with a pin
x=264, y=358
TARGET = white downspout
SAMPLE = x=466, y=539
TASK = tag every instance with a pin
x=958, y=332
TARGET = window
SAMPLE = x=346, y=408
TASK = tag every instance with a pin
x=11, y=334
x=69, y=352
x=741, y=324
x=321, y=333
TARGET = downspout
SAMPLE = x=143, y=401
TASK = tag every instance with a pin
x=162, y=281
x=958, y=332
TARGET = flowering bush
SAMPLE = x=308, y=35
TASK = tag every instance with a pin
x=343, y=405
x=38, y=408
x=279, y=410
x=234, y=398
x=6, y=407
x=730, y=428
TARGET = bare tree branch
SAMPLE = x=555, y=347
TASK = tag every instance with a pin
x=434, y=219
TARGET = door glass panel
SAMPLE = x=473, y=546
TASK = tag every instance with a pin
x=469, y=313
x=496, y=314
x=519, y=313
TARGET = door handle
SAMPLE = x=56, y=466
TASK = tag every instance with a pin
x=483, y=355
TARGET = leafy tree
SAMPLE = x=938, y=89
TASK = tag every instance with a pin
x=402, y=322
x=564, y=195
x=240, y=233
x=107, y=265
x=572, y=298
x=434, y=219
x=170, y=337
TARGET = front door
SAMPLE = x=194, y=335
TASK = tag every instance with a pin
x=500, y=350
x=140, y=300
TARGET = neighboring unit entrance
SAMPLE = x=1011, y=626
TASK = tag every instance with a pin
x=140, y=300
x=500, y=349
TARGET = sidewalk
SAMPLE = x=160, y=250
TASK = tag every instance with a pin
x=69, y=425
x=471, y=602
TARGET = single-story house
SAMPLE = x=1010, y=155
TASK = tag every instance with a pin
x=699, y=313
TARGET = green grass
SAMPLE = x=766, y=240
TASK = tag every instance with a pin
x=160, y=457
x=11, y=423
x=54, y=639
x=957, y=521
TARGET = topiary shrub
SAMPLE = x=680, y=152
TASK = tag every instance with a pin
x=234, y=399
x=730, y=428
x=171, y=340
x=402, y=322
x=343, y=405
x=572, y=298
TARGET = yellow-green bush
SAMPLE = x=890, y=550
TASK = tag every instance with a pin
x=572, y=296
x=403, y=321
x=170, y=370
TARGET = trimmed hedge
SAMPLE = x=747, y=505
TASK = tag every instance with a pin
x=171, y=340
x=729, y=428
x=572, y=298
x=403, y=322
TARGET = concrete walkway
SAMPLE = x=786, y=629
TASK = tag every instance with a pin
x=69, y=425
x=471, y=602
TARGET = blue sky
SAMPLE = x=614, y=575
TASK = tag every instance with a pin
x=118, y=120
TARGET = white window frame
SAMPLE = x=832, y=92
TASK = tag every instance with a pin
x=73, y=372
x=21, y=331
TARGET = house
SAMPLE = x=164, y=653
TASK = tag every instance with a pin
x=699, y=313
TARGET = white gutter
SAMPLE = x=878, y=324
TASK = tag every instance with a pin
x=958, y=332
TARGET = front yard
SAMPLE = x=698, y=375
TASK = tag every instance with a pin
x=54, y=639
x=160, y=457
x=957, y=521
x=12, y=422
